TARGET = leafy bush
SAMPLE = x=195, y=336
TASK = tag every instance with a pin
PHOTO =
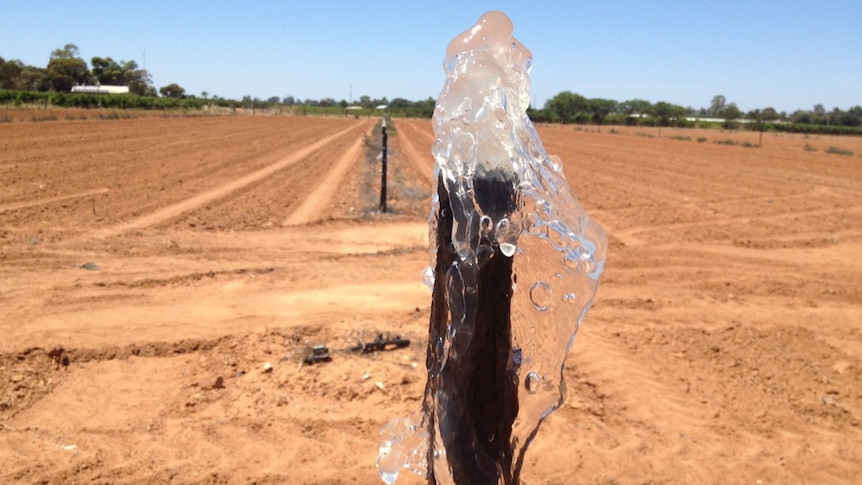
x=701, y=139
x=839, y=151
x=809, y=148
x=44, y=117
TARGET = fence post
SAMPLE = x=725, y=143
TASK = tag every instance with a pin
x=476, y=393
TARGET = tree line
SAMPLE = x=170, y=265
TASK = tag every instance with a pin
x=52, y=84
x=568, y=107
x=66, y=69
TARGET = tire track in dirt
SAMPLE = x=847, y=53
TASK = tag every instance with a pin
x=315, y=204
x=218, y=192
x=50, y=200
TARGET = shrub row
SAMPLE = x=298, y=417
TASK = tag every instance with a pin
x=88, y=100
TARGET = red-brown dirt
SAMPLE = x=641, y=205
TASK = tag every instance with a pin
x=150, y=267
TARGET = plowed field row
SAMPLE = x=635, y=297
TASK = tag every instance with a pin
x=102, y=173
x=150, y=267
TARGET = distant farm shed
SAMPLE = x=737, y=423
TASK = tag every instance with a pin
x=103, y=89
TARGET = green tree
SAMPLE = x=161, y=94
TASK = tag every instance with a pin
x=717, y=105
x=172, y=90
x=633, y=109
x=769, y=114
x=635, y=106
x=107, y=71
x=123, y=73
x=667, y=113
x=66, y=69
x=730, y=114
x=9, y=72
x=567, y=107
x=600, y=109
x=33, y=79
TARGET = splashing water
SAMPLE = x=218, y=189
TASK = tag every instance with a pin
x=503, y=201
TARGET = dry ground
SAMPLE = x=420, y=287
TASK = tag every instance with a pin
x=150, y=267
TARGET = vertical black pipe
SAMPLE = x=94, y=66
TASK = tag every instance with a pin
x=475, y=398
x=383, y=169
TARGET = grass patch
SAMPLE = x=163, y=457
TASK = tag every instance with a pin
x=681, y=138
x=613, y=131
x=809, y=147
x=116, y=115
x=645, y=135
x=44, y=117
x=748, y=144
x=73, y=116
x=839, y=151
x=725, y=142
x=701, y=139
x=6, y=119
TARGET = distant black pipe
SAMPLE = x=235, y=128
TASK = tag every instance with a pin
x=383, y=169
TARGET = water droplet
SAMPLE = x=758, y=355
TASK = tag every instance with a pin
x=544, y=207
x=428, y=277
x=570, y=298
x=571, y=259
x=455, y=292
x=507, y=249
x=486, y=224
x=531, y=382
x=502, y=228
x=540, y=295
x=517, y=356
x=557, y=233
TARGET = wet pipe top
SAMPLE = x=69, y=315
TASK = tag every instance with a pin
x=485, y=139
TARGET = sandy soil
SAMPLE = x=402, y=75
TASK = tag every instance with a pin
x=151, y=267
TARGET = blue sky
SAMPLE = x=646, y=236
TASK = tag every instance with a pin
x=785, y=54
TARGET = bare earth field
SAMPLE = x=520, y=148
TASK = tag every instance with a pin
x=150, y=267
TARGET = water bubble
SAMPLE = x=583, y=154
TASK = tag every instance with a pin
x=557, y=234
x=507, y=249
x=502, y=228
x=571, y=259
x=517, y=357
x=486, y=224
x=507, y=236
x=457, y=303
x=543, y=207
x=428, y=277
x=570, y=298
x=540, y=295
x=389, y=476
x=531, y=382
x=586, y=250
